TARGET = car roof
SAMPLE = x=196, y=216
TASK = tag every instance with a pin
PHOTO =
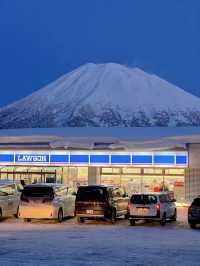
x=99, y=186
x=53, y=185
x=5, y=182
x=152, y=193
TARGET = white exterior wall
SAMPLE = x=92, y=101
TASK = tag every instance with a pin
x=192, y=174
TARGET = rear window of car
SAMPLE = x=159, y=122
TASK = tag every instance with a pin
x=37, y=192
x=9, y=189
x=196, y=202
x=144, y=199
x=91, y=194
x=164, y=198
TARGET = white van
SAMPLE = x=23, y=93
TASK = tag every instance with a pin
x=152, y=206
x=10, y=193
x=46, y=201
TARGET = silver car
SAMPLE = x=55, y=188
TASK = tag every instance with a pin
x=152, y=206
x=10, y=193
x=46, y=201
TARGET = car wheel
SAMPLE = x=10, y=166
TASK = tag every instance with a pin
x=60, y=216
x=28, y=220
x=1, y=216
x=113, y=217
x=174, y=217
x=163, y=220
x=16, y=215
x=132, y=222
x=126, y=216
x=80, y=220
x=192, y=225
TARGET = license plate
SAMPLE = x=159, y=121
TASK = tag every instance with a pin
x=142, y=211
x=89, y=211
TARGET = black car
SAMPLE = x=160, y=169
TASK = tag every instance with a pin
x=194, y=213
x=101, y=202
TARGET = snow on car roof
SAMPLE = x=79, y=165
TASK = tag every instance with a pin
x=45, y=185
x=5, y=182
x=152, y=193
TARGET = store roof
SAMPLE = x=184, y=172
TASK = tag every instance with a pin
x=115, y=138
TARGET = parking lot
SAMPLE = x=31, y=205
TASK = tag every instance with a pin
x=97, y=243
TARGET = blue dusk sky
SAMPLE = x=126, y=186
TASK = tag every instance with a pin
x=43, y=39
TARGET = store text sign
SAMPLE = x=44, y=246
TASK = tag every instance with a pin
x=31, y=158
x=46, y=158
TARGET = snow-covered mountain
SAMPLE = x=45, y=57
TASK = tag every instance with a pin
x=104, y=95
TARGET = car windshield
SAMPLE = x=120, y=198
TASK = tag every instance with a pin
x=91, y=194
x=37, y=192
x=196, y=202
x=143, y=199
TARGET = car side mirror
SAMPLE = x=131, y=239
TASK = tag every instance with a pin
x=173, y=200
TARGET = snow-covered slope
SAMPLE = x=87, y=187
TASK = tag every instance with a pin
x=104, y=95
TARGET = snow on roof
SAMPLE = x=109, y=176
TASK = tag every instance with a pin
x=102, y=138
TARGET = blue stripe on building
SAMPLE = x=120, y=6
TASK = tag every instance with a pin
x=99, y=158
x=7, y=158
x=59, y=158
x=181, y=159
x=79, y=158
x=164, y=159
x=142, y=159
x=113, y=159
x=120, y=159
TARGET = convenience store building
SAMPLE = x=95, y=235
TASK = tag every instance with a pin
x=137, y=159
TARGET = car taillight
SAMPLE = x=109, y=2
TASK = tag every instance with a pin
x=158, y=209
x=129, y=207
x=158, y=206
x=47, y=201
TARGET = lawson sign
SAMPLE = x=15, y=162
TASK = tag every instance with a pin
x=29, y=158
x=94, y=158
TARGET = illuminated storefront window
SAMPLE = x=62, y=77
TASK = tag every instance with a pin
x=132, y=179
x=137, y=180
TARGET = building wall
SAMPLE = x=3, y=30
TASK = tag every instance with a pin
x=194, y=155
x=93, y=175
x=192, y=183
x=192, y=174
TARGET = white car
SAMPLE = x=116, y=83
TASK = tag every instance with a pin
x=46, y=201
x=10, y=193
x=152, y=206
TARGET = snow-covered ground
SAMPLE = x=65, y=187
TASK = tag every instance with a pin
x=98, y=243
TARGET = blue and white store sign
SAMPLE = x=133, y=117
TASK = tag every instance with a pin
x=31, y=158
x=159, y=159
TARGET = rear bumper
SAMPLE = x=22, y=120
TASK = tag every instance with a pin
x=91, y=216
x=46, y=212
x=104, y=214
x=135, y=217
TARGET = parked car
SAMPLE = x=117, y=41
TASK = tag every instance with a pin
x=46, y=201
x=101, y=202
x=194, y=213
x=10, y=193
x=152, y=206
